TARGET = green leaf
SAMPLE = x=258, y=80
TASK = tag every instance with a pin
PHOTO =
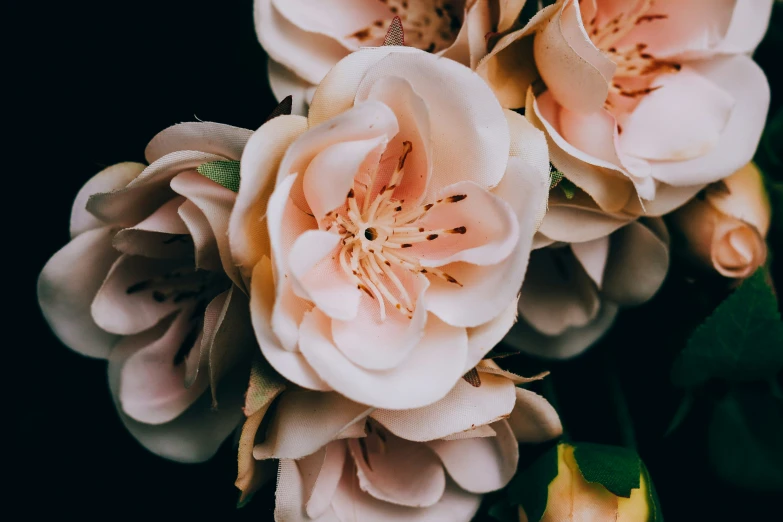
x=225, y=173
x=746, y=440
x=616, y=468
x=682, y=411
x=741, y=341
x=555, y=176
x=568, y=188
x=530, y=487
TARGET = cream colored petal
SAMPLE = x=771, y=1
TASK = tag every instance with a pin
x=111, y=178
x=205, y=136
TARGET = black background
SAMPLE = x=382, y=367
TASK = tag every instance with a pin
x=86, y=85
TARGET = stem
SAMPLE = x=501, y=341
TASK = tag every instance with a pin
x=624, y=419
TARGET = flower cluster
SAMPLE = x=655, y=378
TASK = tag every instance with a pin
x=495, y=179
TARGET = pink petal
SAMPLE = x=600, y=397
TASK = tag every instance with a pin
x=534, y=419
x=472, y=141
x=205, y=136
x=155, y=236
x=481, y=339
x=492, y=228
x=67, y=286
x=570, y=343
x=305, y=421
x=331, y=173
x=111, y=178
x=194, y=436
x=366, y=121
x=464, y=408
x=248, y=235
x=339, y=19
x=309, y=55
x=203, y=238
x=572, y=222
x=743, y=80
x=375, y=344
x=422, y=378
x=284, y=82
x=398, y=471
x=480, y=465
x=321, y=474
x=152, y=381
x=148, y=191
x=575, y=71
x=557, y=293
x=351, y=504
x=117, y=311
x=413, y=119
x=291, y=364
x=638, y=262
x=592, y=255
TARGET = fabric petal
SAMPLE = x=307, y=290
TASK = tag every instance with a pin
x=481, y=339
x=111, y=178
x=67, y=286
x=464, y=408
x=422, y=378
x=533, y=418
x=592, y=255
x=161, y=235
x=205, y=136
x=483, y=464
x=285, y=82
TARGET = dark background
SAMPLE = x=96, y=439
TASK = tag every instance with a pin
x=90, y=83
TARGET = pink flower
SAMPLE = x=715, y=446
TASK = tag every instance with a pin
x=573, y=289
x=305, y=39
x=649, y=99
x=343, y=461
x=398, y=219
x=147, y=282
x=726, y=230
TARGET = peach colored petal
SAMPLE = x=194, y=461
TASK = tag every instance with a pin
x=67, y=286
x=480, y=465
x=111, y=178
x=205, y=136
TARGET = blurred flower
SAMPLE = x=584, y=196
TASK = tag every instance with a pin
x=725, y=230
x=305, y=39
x=573, y=289
x=343, y=461
x=572, y=498
x=147, y=282
x=406, y=197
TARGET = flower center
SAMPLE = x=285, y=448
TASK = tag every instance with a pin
x=632, y=60
x=429, y=25
x=375, y=235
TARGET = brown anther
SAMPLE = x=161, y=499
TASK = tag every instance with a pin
x=428, y=206
x=366, y=290
x=350, y=194
x=455, y=198
x=407, y=147
x=406, y=245
x=458, y=230
x=397, y=209
x=451, y=279
x=432, y=236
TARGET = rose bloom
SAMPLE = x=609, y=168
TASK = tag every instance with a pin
x=642, y=99
x=398, y=217
x=343, y=461
x=726, y=229
x=147, y=282
x=572, y=498
x=573, y=289
x=304, y=39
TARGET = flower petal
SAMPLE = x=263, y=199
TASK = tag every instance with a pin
x=480, y=465
x=592, y=255
x=205, y=136
x=247, y=232
x=291, y=364
x=194, y=436
x=67, y=286
x=464, y=408
x=742, y=79
x=570, y=343
x=305, y=421
x=284, y=82
x=481, y=339
x=111, y=178
x=207, y=255
x=119, y=309
x=423, y=378
x=400, y=472
x=161, y=235
x=533, y=418
x=321, y=474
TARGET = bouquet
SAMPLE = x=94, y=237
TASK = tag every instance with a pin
x=371, y=295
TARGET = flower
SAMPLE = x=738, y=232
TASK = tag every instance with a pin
x=571, y=497
x=340, y=460
x=147, y=282
x=725, y=230
x=644, y=99
x=306, y=39
x=407, y=197
x=573, y=289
